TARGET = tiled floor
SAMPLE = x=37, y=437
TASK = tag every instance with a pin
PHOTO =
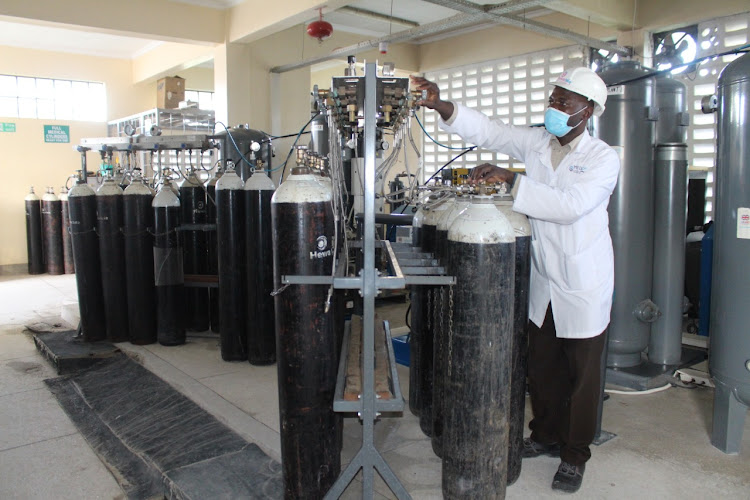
x=662, y=448
x=42, y=455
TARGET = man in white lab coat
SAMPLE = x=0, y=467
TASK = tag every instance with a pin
x=569, y=179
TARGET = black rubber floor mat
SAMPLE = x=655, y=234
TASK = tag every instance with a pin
x=68, y=353
x=156, y=441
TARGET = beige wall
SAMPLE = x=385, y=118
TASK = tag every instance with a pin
x=659, y=15
x=198, y=78
x=168, y=59
x=27, y=160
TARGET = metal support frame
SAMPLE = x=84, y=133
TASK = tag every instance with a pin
x=407, y=269
x=501, y=15
x=471, y=14
x=151, y=143
x=368, y=458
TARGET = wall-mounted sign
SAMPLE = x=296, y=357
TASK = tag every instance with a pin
x=57, y=133
x=7, y=127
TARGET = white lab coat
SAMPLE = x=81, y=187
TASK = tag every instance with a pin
x=571, y=249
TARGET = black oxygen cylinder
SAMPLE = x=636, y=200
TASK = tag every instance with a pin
x=169, y=279
x=195, y=251
x=439, y=301
x=481, y=249
x=230, y=230
x=519, y=356
x=82, y=207
x=138, y=224
x=213, y=251
x=112, y=259
x=416, y=299
x=303, y=236
x=67, y=243
x=34, y=245
x=52, y=232
x=429, y=245
x=442, y=317
x=261, y=330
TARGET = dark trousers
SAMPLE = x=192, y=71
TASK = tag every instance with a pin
x=564, y=378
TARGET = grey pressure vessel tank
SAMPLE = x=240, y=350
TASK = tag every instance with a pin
x=729, y=350
x=169, y=279
x=230, y=231
x=519, y=356
x=52, y=232
x=668, y=289
x=137, y=230
x=319, y=133
x=112, y=259
x=237, y=142
x=82, y=205
x=416, y=303
x=195, y=250
x=303, y=239
x=481, y=249
x=628, y=126
x=34, y=245
x=429, y=245
x=260, y=329
x=67, y=243
x=671, y=101
x=213, y=249
x=441, y=318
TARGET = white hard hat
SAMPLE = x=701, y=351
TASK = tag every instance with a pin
x=587, y=83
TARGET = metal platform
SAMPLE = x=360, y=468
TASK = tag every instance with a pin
x=648, y=375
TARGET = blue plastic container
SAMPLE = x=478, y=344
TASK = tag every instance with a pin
x=401, y=349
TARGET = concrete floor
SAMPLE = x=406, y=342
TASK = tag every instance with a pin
x=662, y=448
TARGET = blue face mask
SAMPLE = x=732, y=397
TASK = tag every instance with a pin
x=556, y=121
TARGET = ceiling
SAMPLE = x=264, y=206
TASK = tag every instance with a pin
x=370, y=18
x=44, y=37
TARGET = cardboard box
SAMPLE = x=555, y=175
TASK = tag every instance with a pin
x=169, y=92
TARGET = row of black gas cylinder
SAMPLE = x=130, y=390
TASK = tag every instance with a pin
x=467, y=371
x=133, y=249
x=48, y=242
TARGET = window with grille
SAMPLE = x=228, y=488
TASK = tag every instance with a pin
x=204, y=99
x=46, y=98
x=513, y=89
x=713, y=37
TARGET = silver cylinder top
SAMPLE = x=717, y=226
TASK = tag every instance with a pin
x=671, y=152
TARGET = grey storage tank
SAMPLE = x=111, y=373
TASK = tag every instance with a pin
x=670, y=220
x=671, y=101
x=729, y=350
x=628, y=126
x=670, y=205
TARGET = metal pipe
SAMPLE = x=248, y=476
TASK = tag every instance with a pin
x=377, y=16
x=498, y=15
x=502, y=15
x=457, y=21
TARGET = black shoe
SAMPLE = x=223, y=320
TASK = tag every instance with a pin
x=568, y=478
x=532, y=449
